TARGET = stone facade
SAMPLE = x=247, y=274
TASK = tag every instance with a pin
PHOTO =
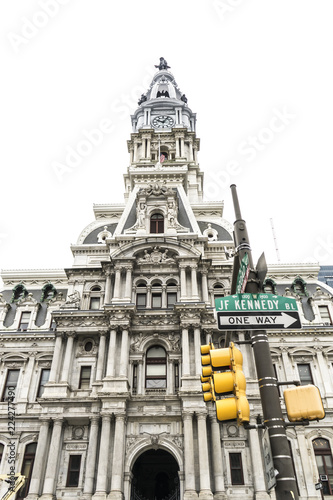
x=104, y=357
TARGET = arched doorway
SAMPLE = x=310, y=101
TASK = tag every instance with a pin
x=155, y=477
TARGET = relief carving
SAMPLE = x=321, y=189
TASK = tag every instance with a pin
x=155, y=257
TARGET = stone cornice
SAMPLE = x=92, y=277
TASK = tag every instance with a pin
x=37, y=277
x=80, y=321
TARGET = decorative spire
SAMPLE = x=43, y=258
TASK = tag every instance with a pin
x=163, y=64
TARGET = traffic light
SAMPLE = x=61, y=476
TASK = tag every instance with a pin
x=223, y=369
x=207, y=371
x=304, y=403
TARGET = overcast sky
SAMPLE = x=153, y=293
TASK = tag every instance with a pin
x=258, y=73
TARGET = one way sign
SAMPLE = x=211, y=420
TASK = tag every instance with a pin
x=258, y=320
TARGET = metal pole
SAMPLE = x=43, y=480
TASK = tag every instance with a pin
x=286, y=487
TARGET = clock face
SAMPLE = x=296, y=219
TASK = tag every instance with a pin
x=162, y=121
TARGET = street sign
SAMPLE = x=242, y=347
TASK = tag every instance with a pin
x=260, y=311
x=268, y=459
x=258, y=320
x=243, y=274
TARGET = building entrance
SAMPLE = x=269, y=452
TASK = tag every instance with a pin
x=155, y=477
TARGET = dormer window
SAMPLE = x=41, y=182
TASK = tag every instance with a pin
x=269, y=286
x=299, y=287
x=48, y=292
x=19, y=292
x=157, y=223
x=24, y=321
x=162, y=93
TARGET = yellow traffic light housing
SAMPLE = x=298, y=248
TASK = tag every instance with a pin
x=207, y=371
x=223, y=369
x=304, y=403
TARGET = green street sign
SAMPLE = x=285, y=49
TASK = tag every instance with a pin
x=243, y=274
x=255, y=302
x=256, y=311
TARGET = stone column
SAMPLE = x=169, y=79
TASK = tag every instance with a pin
x=258, y=470
x=51, y=473
x=217, y=459
x=40, y=460
x=164, y=297
x=182, y=147
x=101, y=356
x=128, y=283
x=177, y=147
x=326, y=382
x=197, y=352
x=195, y=150
x=135, y=151
x=117, y=284
x=56, y=358
x=91, y=458
x=194, y=283
x=190, y=492
x=140, y=377
x=148, y=149
x=190, y=149
x=68, y=357
x=110, y=367
x=107, y=298
x=205, y=489
x=124, y=354
x=170, y=384
x=290, y=375
x=103, y=460
x=204, y=286
x=183, y=288
x=185, y=352
x=309, y=473
x=148, y=304
x=24, y=393
x=212, y=298
x=118, y=459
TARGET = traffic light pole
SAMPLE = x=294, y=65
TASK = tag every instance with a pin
x=286, y=487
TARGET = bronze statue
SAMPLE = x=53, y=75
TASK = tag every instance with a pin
x=163, y=64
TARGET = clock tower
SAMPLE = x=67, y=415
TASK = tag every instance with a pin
x=164, y=133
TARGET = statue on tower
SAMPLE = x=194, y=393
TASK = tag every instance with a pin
x=163, y=64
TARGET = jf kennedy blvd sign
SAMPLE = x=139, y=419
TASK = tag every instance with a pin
x=256, y=311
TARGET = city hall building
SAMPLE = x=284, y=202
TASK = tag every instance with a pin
x=103, y=358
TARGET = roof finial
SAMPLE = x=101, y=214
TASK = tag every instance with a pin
x=163, y=64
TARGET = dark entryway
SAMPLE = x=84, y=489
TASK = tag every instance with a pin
x=155, y=477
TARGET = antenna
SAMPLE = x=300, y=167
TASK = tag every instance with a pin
x=275, y=241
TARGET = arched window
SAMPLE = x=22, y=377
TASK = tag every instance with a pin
x=323, y=454
x=95, y=298
x=156, y=296
x=157, y=223
x=141, y=296
x=28, y=463
x=171, y=294
x=218, y=291
x=156, y=368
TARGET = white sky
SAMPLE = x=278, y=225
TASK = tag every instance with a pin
x=240, y=63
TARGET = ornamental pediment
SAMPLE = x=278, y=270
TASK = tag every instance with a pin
x=155, y=255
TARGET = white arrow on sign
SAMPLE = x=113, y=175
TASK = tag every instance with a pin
x=281, y=319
